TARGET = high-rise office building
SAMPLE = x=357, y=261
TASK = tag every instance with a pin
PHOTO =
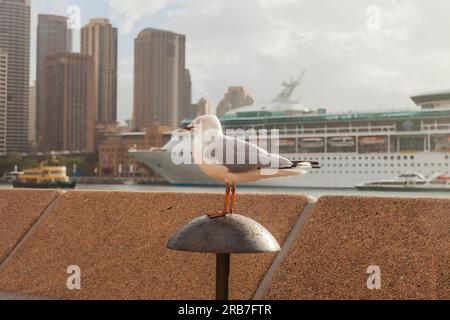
x=99, y=40
x=185, y=108
x=15, y=40
x=3, y=98
x=236, y=97
x=53, y=36
x=159, y=78
x=202, y=107
x=70, y=100
x=32, y=115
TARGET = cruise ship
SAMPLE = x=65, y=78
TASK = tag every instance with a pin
x=352, y=148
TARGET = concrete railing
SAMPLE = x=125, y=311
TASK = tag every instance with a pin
x=335, y=248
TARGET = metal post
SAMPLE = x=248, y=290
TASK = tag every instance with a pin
x=222, y=276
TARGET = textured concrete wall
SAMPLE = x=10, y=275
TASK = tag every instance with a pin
x=408, y=239
x=119, y=242
x=18, y=212
x=118, y=239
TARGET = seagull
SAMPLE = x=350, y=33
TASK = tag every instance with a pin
x=212, y=154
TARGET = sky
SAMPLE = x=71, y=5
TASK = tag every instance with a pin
x=359, y=55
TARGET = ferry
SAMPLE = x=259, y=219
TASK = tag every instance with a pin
x=352, y=148
x=409, y=182
x=45, y=178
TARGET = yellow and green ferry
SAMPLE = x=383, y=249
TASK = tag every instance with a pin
x=45, y=178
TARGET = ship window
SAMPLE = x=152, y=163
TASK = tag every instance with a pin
x=446, y=157
x=405, y=157
x=392, y=157
x=412, y=157
x=399, y=158
x=385, y=158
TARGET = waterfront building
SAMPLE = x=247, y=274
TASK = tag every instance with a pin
x=202, y=107
x=15, y=40
x=3, y=98
x=161, y=81
x=69, y=96
x=99, y=40
x=32, y=115
x=114, y=159
x=236, y=97
x=53, y=36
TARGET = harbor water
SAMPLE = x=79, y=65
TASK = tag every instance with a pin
x=316, y=193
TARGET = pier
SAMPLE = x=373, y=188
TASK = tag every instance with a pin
x=331, y=247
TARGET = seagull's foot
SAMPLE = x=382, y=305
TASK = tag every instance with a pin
x=220, y=214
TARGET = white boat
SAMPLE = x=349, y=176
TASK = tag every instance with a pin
x=10, y=177
x=409, y=182
x=352, y=148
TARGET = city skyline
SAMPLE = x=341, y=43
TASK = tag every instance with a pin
x=351, y=65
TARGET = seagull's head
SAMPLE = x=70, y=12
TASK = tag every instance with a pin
x=205, y=123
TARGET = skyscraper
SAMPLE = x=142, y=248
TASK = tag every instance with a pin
x=185, y=108
x=69, y=97
x=32, y=115
x=99, y=40
x=15, y=40
x=236, y=97
x=159, y=78
x=53, y=36
x=3, y=98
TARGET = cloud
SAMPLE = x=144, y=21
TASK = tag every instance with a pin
x=261, y=43
x=132, y=11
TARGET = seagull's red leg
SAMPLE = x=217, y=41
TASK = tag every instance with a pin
x=233, y=197
x=227, y=199
x=225, y=209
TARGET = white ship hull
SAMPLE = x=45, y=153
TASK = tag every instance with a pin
x=339, y=170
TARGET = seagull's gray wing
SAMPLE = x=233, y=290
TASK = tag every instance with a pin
x=244, y=157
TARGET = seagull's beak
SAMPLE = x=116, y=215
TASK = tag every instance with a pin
x=189, y=128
